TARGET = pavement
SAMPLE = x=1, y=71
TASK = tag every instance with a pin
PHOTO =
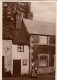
x=39, y=77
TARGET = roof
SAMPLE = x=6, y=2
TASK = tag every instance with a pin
x=19, y=37
x=39, y=27
x=6, y=33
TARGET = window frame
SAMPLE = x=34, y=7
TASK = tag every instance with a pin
x=42, y=38
x=51, y=37
x=47, y=58
x=24, y=61
x=19, y=48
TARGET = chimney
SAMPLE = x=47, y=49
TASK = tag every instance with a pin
x=19, y=17
x=30, y=15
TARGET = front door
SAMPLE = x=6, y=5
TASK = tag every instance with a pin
x=16, y=67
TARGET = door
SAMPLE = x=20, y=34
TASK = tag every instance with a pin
x=2, y=65
x=16, y=67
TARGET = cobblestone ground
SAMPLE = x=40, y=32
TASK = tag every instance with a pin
x=39, y=77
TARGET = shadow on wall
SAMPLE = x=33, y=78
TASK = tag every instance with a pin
x=7, y=74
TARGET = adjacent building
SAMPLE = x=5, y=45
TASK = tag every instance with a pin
x=42, y=45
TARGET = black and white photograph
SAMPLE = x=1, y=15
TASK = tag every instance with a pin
x=28, y=40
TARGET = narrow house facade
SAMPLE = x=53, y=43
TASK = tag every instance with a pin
x=20, y=53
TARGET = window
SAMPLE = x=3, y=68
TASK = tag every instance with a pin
x=20, y=48
x=43, y=39
x=35, y=39
x=24, y=62
x=43, y=60
x=52, y=40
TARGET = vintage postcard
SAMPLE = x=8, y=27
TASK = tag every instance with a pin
x=28, y=40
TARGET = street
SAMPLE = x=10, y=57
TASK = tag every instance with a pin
x=39, y=77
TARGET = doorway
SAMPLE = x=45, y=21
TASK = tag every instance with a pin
x=17, y=68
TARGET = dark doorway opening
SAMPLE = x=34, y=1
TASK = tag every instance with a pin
x=17, y=68
x=2, y=66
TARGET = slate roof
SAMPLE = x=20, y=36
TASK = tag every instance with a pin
x=39, y=27
x=19, y=37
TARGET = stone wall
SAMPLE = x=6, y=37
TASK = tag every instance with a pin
x=7, y=53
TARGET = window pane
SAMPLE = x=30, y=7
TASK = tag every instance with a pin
x=18, y=49
x=22, y=47
x=43, y=61
x=43, y=39
x=51, y=40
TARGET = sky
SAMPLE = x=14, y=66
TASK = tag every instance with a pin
x=44, y=11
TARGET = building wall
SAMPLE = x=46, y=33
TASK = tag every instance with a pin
x=7, y=53
x=21, y=56
x=41, y=45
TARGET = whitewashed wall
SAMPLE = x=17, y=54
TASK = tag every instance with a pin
x=21, y=55
x=7, y=53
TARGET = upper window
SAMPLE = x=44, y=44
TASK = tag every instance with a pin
x=35, y=39
x=20, y=48
x=39, y=39
x=51, y=40
x=43, y=39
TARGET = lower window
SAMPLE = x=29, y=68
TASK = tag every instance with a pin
x=25, y=62
x=43, y=60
